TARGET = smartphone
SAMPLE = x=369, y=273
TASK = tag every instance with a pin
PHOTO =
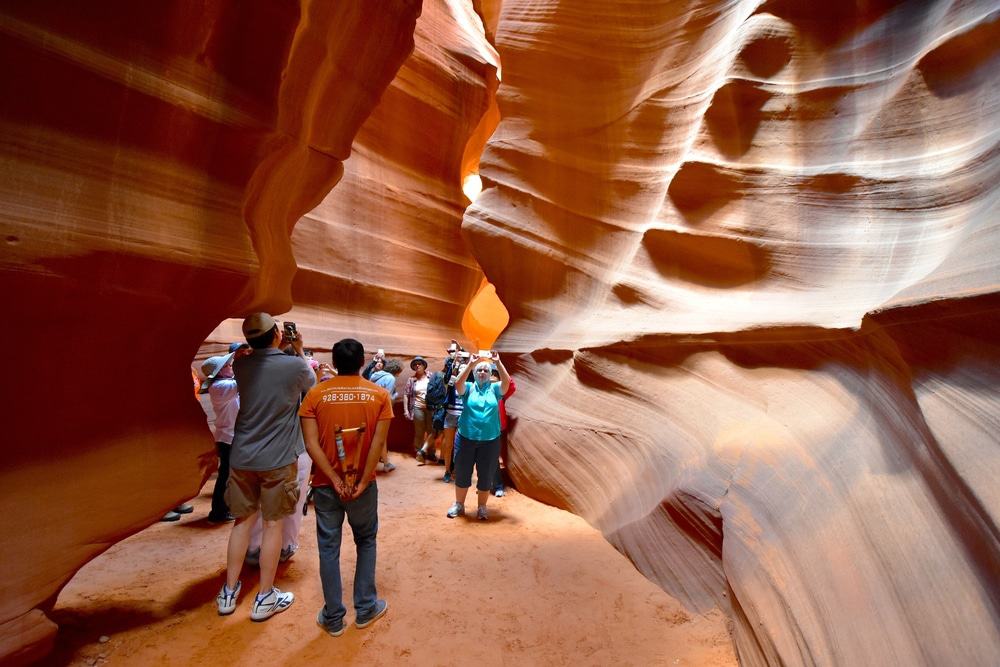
x=290, y=332
x=308, y=353
x=381, y=352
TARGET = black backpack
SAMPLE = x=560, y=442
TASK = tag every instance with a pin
x=437, y=391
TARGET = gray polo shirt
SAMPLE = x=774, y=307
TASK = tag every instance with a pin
x=268, y=434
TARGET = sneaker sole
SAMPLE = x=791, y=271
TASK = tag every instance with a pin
x=365, y=624
x=332, y=633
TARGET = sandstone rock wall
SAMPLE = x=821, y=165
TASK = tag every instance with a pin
x=154, y=158
x=382, y=258
x=750, y=251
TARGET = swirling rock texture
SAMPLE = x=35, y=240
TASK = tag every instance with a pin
x=382, y=258
x=750, y=250
x=154, y=158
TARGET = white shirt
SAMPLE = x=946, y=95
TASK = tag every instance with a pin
x=226, y=405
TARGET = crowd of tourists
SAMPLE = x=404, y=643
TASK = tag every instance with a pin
x=289, y=428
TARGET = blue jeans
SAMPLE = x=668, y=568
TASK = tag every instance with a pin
x=362, y=514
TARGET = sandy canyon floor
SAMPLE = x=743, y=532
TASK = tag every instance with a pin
x=532, y=586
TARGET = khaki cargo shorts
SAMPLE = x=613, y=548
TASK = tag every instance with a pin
x=275, y=492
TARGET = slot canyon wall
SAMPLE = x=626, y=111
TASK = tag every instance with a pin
x=382, y=258
x=750, y=252
x=155, y=157
x=758, y=339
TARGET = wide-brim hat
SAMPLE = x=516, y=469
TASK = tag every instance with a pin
x=211, y=367
x=417, y=360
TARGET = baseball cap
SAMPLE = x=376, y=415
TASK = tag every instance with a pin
x=236, y=346
x=417, y=360
x=257, y=324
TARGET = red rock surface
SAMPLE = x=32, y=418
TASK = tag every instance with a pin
x=382, y=258
x=154, y=158
x=749, y=249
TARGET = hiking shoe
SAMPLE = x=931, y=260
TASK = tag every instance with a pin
x=184, y=509
x=171, y=516
x=287, y=552
x=388, y=467
x=499, y=492
x=447, y=478
x=252, y=557
x=380, y=608
x=273, y=603
x=334, y=631
x=225, y=518
x=482, y=514
x=420, y=458
x=226, y=599
x=456, y=510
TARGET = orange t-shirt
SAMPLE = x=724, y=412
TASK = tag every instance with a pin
x=345, y=401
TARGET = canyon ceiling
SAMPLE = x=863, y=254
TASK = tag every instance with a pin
x=750, y=250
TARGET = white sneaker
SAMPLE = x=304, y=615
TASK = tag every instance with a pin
x=481, y=513
x=456, y=509
x=273, y=603
x=226, y=599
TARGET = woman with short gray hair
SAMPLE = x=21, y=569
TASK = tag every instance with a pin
x=478, y=432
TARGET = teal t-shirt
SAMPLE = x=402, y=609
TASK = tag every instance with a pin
x=480, y=418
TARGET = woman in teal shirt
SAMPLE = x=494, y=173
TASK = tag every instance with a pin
x=479, y=431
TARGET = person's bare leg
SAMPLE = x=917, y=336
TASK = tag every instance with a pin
x=437, y=441
x=239, y=540
x=482, y=496
x=460, y=495
x=270, y=549
x=447, y=447
x=385, y=454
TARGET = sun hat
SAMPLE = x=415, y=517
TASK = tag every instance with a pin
x=211, y=367
x=417, y=360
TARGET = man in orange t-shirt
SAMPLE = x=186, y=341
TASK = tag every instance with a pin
x=344, y=483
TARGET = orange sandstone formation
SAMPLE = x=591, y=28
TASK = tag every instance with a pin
x=750, y=251
x=382, y=257
x=155, y=158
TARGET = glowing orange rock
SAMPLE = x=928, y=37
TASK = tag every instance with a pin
x=485, y=317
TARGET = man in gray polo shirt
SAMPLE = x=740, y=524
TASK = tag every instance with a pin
x=266, y=446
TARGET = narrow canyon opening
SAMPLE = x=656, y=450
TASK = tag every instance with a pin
x=746, y=255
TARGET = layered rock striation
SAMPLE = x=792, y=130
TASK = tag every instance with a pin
x=155, y=158
x=382, y=257
x=750, y=251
